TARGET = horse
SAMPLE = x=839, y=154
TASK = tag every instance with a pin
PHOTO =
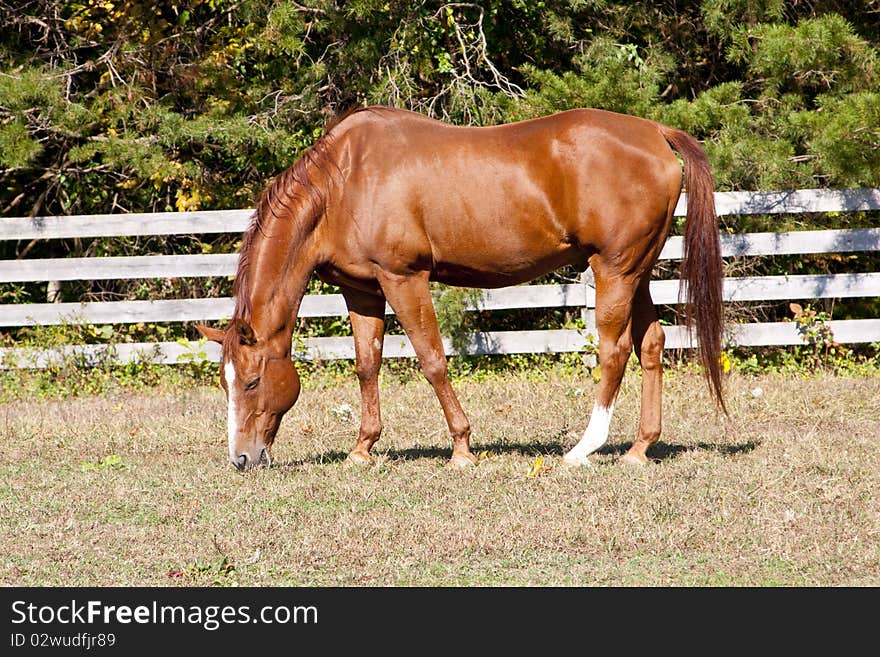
x=388, y=200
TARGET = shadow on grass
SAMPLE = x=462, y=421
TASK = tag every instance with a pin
x=667, y=452
x=661, y=452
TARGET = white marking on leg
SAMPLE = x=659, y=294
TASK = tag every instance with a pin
x=231, y=418
x=594, y=437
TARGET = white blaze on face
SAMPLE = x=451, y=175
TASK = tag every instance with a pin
x=231, y=414
x=594, y=437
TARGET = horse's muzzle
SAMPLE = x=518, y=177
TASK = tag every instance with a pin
x=245, y=462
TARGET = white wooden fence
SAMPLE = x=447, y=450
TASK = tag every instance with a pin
x=764, y=288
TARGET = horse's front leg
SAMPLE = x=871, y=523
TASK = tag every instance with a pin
x=410, y=297
x=367, y=314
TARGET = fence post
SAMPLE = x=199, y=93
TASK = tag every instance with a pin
x=53, y=292
x=588, y=313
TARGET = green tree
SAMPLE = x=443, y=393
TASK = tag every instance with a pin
x=139, y=105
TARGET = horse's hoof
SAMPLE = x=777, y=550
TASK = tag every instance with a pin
x=354, y=459
x=576, y=462
x=462, y=461
x=631, y=459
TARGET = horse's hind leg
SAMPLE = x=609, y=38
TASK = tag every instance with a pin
x=614, y=299
x=367, y=314
x=648, y=341
x=410, y=297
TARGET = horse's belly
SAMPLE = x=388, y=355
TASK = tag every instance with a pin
x=505, y=271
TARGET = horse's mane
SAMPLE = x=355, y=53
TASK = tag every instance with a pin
x=290, y=185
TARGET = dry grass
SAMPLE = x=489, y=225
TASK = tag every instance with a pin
x=784, y=492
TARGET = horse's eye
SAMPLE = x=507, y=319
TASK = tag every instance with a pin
x=253, y=384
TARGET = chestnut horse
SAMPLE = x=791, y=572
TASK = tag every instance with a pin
x=389, y=200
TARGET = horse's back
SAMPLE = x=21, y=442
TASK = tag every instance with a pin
x=375, y=130
x=520, y=199
x=572, y=156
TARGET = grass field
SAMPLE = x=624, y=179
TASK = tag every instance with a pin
x=136, y=489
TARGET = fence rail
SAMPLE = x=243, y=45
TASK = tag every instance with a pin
x=800, y=287
x=235, y=221
x=756, y=288
x=223, y=264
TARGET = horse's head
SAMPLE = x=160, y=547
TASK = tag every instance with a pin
x=261, y=385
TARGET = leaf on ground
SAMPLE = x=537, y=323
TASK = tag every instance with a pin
x=109, y=462
x=537, y=468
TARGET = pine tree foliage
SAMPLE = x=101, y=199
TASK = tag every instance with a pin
x=128, y=105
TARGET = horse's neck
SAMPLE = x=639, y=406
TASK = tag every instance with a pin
x=284, y=253
x=281, y=275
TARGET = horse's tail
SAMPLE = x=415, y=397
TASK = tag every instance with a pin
x=701, y=266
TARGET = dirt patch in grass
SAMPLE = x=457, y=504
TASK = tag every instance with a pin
x=137, y=490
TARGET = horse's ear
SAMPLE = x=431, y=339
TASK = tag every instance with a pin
x=215, y=335
x=245, y=333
